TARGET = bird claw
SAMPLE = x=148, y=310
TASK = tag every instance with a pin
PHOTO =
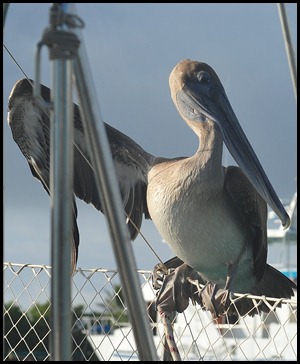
x=177, y=285
x=158, y=274
x=174, y=287
x=215, y=300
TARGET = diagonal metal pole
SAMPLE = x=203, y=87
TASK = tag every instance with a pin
x=109, y=190
x=288, y=45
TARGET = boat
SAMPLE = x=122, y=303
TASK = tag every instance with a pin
x=283, y=243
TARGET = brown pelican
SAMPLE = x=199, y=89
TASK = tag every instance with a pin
x=213, y=218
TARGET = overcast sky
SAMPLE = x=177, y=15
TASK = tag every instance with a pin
x=132, y=49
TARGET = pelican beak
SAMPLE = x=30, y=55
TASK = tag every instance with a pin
x=198, y=106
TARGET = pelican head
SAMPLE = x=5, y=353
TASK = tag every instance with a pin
x=199, y=96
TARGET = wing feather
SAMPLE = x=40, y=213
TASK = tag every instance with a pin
x=30, y=126
x=253, y=210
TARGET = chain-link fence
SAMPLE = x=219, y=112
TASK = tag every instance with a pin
x=101, y=330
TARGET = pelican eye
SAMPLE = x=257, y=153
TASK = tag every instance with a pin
x=203, y=77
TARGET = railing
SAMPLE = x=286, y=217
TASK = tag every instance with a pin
x=101, y=329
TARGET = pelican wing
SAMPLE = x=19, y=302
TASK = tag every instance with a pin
x=131, y=164
x=30, y=125
x=253, y=210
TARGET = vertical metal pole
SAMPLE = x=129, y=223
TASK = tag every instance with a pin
x=61, y=187
x=110, y=194
x=5, y=10
x=61, y=191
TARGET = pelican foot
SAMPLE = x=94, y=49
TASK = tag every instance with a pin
x=158, y=274
x=177, y=284
x=174, y=286
x=163, y=269
x=214, y=299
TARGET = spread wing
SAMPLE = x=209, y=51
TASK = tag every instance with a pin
x=30, y=126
